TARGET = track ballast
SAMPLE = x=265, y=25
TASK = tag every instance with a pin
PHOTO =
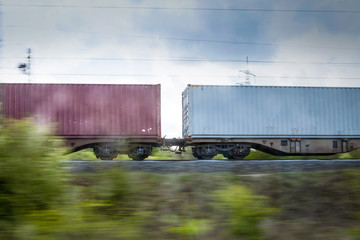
x=206, y=166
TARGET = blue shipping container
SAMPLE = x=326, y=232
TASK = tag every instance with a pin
x=270, y=112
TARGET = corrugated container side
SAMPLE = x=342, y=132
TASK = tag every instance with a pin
x=262, y=111
x=185, y=113
x=1, y=99
x=88, y=110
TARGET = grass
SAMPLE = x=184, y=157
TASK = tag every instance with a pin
x=123, y=205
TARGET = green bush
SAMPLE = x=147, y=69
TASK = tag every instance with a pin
x=31, y=180
x=328, y=197
x=245, y=211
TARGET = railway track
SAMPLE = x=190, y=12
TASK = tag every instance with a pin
x=207, y=166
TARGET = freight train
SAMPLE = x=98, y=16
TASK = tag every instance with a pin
x=228, y=120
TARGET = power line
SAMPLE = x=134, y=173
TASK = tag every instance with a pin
x=323, y=78
x=212, y=40
x=192, y=39
x=183, y=8
x=192, y=60
x=183, y=76
x=175, y=38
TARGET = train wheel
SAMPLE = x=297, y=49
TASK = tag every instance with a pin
x=233, y=157
x=237, y=157
x=195, y=154
x=105, y=152
x=201, y=153
x=238, y=153
x=137, y=158
x=139, y=153
x=107, y=157
x=227, y=155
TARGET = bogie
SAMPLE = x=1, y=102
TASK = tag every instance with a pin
x=231, y=151
x=109, y=151
x=140, y=152
x=204, y=152
x=105, y=152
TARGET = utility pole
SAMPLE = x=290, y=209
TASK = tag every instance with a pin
x=25, y=67
x=248, y=74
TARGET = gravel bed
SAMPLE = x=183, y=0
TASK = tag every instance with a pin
x=203, y=166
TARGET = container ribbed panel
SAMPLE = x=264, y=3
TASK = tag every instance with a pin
x=263, y=111
x=88, y=109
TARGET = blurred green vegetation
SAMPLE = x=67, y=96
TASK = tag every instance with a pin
x=245, y=209
x=39, y=200
x=31, y=179
x=312, y=205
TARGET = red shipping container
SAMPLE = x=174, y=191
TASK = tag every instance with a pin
x=88, y=111
x=111, y=119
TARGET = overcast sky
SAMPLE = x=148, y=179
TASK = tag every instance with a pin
x=180, y=42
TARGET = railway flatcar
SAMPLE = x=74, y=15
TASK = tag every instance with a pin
x=230, y=120
x=110, y=119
